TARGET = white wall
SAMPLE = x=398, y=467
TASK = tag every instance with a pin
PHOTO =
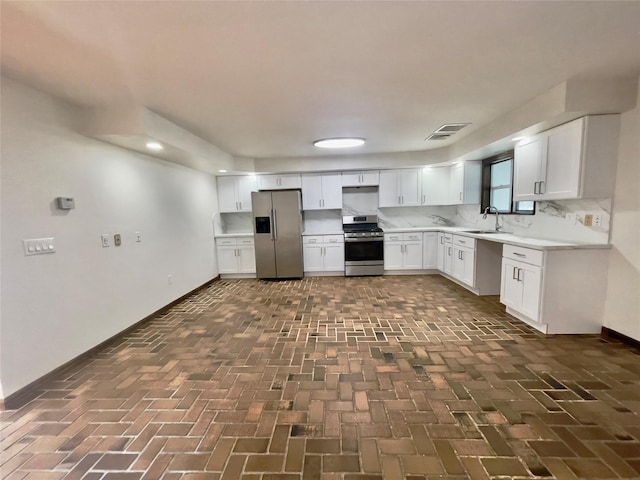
x=622, y=306
x=57, y=306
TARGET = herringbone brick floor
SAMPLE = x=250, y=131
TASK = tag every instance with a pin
x=335, y=378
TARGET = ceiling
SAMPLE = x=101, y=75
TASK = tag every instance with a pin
x=265, y=79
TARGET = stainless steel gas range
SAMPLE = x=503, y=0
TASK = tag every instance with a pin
x=363, y=246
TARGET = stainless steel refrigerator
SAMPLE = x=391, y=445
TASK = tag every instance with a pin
x=277, y=231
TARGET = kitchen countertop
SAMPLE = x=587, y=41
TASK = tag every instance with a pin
x=227, y=235
x=508, y=238
x=328, y=232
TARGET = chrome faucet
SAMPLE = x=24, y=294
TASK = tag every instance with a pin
x=488, y=210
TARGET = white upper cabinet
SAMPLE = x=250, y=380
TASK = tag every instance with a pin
x=234, y=193
x=435, y=186
x=366, y=178
x=399, y=188
x=574, y=160
x=322, y=191
x=452, y=185
x=279, y=182
x=465, y=183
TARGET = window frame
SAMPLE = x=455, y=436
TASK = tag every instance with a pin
x=486, y=189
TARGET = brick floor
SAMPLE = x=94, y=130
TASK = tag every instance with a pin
x=335, y=378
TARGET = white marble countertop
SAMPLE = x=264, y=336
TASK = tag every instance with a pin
x=227, y=235
x=508, y=238
x=328, y=232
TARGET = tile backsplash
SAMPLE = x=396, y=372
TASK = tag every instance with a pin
x=557, y=220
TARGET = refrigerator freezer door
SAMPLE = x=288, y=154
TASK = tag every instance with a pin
x=288, y=233
x=263, y=233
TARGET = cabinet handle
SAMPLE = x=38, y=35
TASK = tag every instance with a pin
x=460, y=196
x=403, y=199
x=541, y=189
x=535, y=188
x=514, y=274
x=519, y=254
x=240, y=203
x=462, y=241
x=449, y=251
x=424, y=199
x=519, y=270
x=441, y=240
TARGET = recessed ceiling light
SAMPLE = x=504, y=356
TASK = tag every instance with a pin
x=344, y=142
x=222, y=171
x=154, y=146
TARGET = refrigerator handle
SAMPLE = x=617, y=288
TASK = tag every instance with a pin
x=274, y=229
x=271, y=218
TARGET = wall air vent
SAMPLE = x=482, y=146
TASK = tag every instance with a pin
x=451, y=127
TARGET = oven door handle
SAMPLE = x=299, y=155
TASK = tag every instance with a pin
x=364, y=239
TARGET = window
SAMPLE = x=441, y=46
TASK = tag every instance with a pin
x=497, y=180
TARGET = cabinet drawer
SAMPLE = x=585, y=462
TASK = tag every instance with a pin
x=311, y=239
x=416, y=236
x=526, y=255
x=245, y=241
x=333, y=238
x=464, y=241
x=224, y=242
x=445, y=237
x=393, y=237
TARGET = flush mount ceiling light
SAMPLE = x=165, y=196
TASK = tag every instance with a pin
x=343, y=142
x=222, y=171
x=154, y=146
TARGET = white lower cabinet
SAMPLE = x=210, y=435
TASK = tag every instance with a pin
x=445, y=252
x=403, y=251
x=323, y=254
x=236, y=255
x=430, y=250
x=555, y=291
x=464, y=260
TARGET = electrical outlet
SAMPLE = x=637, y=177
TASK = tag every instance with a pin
x=597, y=220
x=105, y=240
x=138, y=237
x=588, y=220
x=117, y=240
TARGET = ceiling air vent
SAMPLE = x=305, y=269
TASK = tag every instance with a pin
x=438, y=136
x=451, y=127
x=446, y=130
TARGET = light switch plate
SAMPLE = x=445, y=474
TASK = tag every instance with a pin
x=39, y=246
x=105, y=240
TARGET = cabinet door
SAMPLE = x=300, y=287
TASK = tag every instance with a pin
x=412, y=256
x=457, y=263
x=289, y=181
x=312, y=254
x=393, y=253
x=510, y=286
x=227, y=196
x=334, y=257
x=430, y=250
x=531, y=281
x=244, y=186
x=435, y=186
x=561, y=172
x=228, y=259
x=456, y=184
x=448, y=258
x=246, y=259
x=312, y=192
x=527, y=161
x=409, y=184
x=268, y=182
x=442, y=251
x=388, y=194
x=370, y=178
x=468, y=256
x=331, y=191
